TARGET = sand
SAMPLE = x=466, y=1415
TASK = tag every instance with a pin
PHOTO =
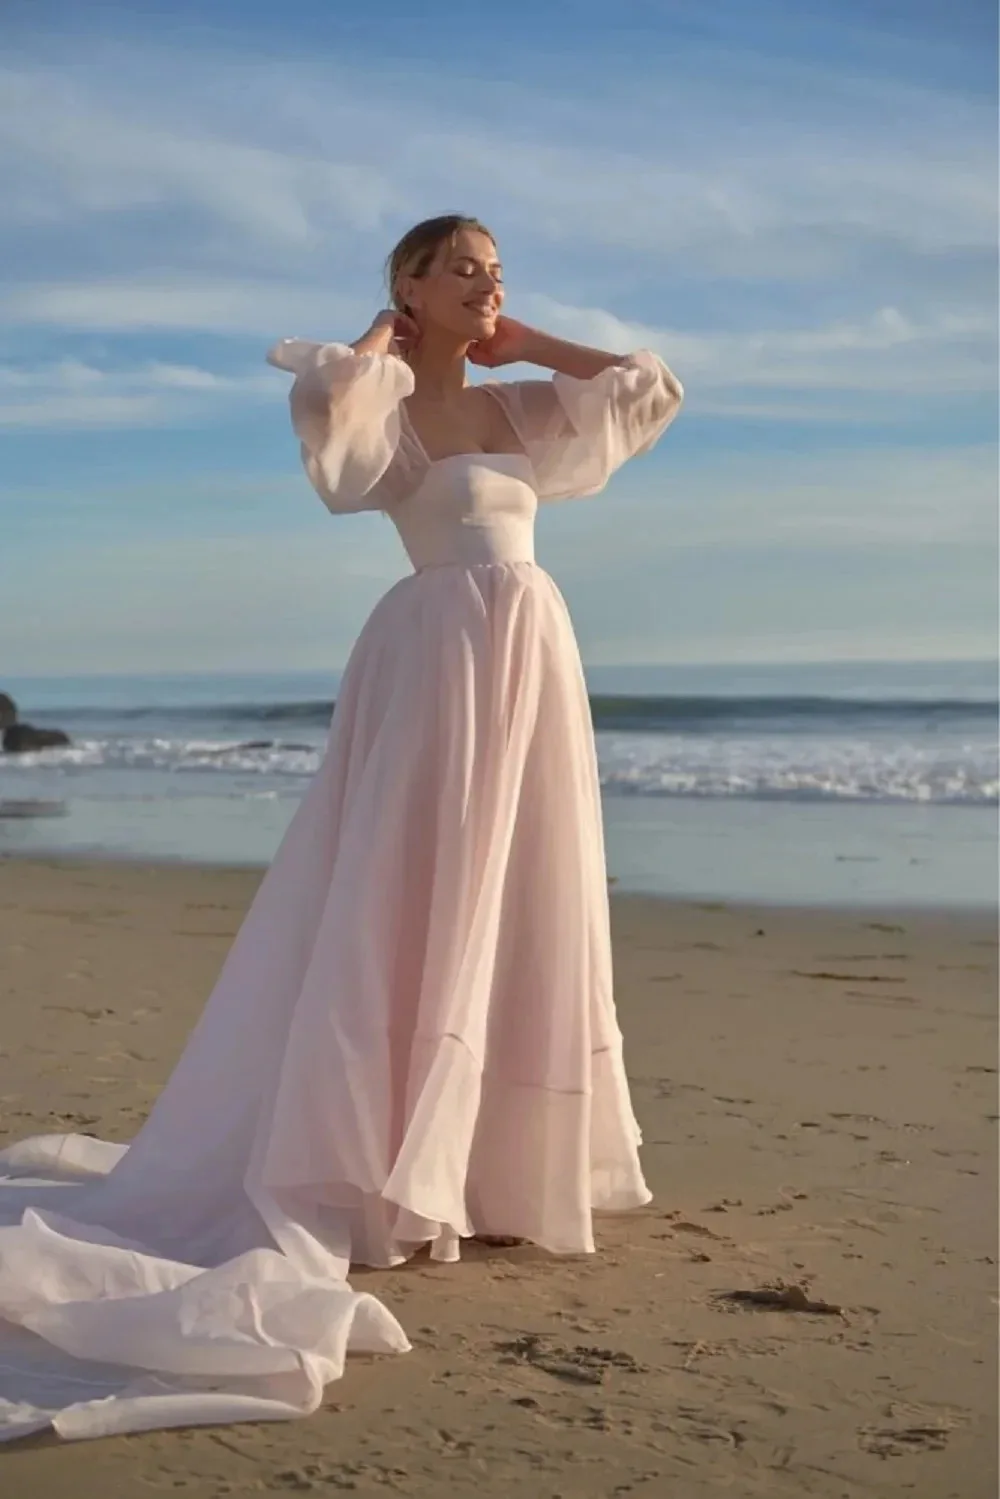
x=817, y=1090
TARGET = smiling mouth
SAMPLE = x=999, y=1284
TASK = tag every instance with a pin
x=487, y=308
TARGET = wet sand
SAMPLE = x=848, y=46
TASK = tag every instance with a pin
x=817, y=1090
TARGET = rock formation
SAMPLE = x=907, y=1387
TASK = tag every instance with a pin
x=17, y=738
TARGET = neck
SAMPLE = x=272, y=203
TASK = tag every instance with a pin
x=438, y=364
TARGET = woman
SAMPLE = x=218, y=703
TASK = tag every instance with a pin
x=413, y=1038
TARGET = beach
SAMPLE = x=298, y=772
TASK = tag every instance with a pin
x=817, y=1092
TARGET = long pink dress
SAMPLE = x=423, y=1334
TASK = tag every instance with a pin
x=413, y=1037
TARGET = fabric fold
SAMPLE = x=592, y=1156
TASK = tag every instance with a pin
x=345, y=412
x=412, y=1039
x=577, y=433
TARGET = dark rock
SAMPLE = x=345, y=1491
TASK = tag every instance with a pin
x=31, y=807
x=8, y=711
x=21, y=737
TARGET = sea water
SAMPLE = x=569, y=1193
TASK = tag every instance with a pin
x=837, y=782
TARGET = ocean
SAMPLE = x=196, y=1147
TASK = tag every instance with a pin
x=770, y=782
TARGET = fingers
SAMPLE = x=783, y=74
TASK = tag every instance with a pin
x=406, y=334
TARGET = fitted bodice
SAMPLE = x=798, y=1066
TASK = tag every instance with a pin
x=361, y=452
x=470, y=508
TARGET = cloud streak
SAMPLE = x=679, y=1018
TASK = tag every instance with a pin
x=73, y=150
x=273, y=219
x=826, y=373
x=286, y=153
x=887, y=352
x=71, y=393
x=201, y=304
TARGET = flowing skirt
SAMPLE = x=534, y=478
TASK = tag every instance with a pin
x=412, y=1040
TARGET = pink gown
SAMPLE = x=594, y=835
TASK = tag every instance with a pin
x=413, y=1037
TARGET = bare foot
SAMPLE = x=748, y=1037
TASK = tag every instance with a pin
x=498, y=1241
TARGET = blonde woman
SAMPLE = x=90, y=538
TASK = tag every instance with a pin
x=413, y=1039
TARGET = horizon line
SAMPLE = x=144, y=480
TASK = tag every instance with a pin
x=890, y=661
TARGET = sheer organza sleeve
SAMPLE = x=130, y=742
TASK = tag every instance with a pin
x=577, y=432
x=345, y=412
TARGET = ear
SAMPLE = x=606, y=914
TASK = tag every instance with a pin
x=408, y=294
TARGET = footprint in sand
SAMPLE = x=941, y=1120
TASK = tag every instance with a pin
x=187, y=932
x=582, y=1364
x=886, y=1001
x=90, y=1014
x=683, y=1226
x=901, y=1441
x=863, y=957
x=847, y=978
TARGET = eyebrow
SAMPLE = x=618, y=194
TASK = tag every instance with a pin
x=471, y=258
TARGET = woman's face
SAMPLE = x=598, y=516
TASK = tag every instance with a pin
x=462, y=290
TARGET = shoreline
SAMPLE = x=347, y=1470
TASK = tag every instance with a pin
x=976, y=913
x=113, y=859
x=866, y=855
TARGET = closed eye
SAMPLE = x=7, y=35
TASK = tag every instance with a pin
x=469, y=268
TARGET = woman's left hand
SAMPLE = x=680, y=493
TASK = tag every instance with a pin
x=510, y=344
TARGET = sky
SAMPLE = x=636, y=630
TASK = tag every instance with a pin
x=793, y=203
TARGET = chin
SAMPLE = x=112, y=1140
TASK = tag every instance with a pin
x=479, y=329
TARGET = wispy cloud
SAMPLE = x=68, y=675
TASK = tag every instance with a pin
x=271, y=187
x=887, y=352
x=77, y=147
x=201, y=304
x=289, y=151
x=824, y=373
x=71, y=393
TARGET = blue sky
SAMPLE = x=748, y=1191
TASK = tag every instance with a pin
x=793, y=203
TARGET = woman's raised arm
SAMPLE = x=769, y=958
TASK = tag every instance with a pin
x=517, y=343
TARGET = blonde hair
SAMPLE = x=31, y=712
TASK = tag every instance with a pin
x=416, y=250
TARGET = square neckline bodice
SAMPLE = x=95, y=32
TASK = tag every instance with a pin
x=477, y=453
x=470, y=509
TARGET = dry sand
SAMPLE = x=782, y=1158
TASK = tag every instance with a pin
x=818, y=1095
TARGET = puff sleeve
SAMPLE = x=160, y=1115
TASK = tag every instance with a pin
x=577, y=432
x=345, y=413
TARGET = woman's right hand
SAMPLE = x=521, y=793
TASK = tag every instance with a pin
x=391, y=332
